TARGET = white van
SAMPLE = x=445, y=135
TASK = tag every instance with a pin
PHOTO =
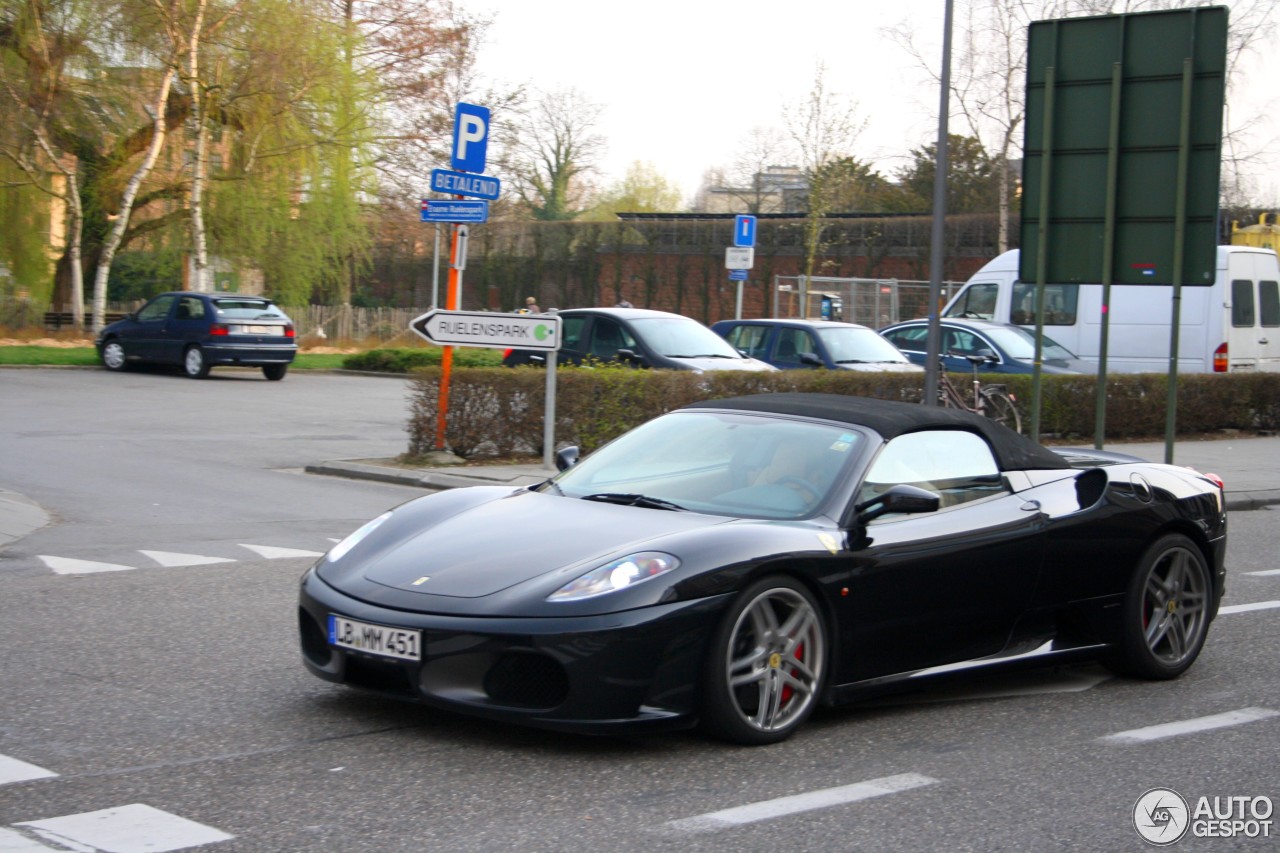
x=1233, y=325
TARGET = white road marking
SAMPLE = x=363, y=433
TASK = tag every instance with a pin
x=171, y=560
x=13, y=770
x=783, y=806
x=270, y=552
x=1187, y=727
x=1264, y=574
x=1245, y=608
x=136, y=828
x=13, y=842
x=69, y=566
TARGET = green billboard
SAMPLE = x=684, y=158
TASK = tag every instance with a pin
x=1122, y=146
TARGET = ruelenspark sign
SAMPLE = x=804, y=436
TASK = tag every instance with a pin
x=489, y=330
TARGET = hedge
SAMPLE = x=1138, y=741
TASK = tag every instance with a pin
x=499, y=411
x=403, y=360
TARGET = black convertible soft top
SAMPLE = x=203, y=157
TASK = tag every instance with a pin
x=1013, y=452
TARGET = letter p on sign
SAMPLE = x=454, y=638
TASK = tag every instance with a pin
x=470, y=137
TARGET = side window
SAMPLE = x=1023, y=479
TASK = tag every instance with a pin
x=1269, y=303
x=1060, y=301
x=607, y=337
x=156, y=309
x=189, y=308
x=977, y=302
x=956, y=465
x=750, y=339
x=792, y=343
x=914, y=339
x=571, y=332
x=1242, y=313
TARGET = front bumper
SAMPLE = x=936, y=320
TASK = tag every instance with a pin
x=631, y=671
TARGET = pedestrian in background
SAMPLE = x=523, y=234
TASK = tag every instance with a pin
x=531, y=305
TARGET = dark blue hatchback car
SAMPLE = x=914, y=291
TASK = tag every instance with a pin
x=198, y=331
x=1008, y=348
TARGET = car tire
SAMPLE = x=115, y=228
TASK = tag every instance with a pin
x=275, y=372
x=113, y=357
x=194, y=364
x=1166, y=611
x=766, y=664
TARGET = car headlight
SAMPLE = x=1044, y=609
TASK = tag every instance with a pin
x=619, y=574
x=337, y=552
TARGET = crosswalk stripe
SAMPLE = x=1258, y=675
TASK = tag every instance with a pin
x=13, y=842
x=1245, y=608
x=1264, y=574
x=71, y=566
x=1186, y=727
x=171, y=560
x=809, y=801
x=136, y=828
x=271, y=552
x=13, y=770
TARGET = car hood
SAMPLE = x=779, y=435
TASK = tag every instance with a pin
x=713, y=363
x=882, y=367
x=483, y=547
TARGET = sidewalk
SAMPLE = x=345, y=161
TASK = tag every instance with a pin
x=1249, y=467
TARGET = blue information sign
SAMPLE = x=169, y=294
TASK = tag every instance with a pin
x=465, y=183
x=470, y=137
x=738, y=275
x=744, y=230
x=436, y=210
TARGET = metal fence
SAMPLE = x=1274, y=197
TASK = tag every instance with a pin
x=870, y=301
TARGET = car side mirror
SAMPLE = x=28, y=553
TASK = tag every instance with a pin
x=625, y=354
x=810, y=359
x=991, y=357
x=900, y=498
x=566, y=458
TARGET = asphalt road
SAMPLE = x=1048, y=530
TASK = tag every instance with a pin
x=162, y=706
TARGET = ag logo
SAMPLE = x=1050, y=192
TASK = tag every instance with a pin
x=1161, y=816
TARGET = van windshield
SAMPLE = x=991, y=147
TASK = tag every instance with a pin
x=1059, y=304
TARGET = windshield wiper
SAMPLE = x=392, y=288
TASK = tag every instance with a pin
x=634, y=500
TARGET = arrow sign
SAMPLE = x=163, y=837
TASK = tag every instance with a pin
x=489, y=330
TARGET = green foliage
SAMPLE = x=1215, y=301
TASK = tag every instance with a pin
x=972, y=181
x=24, y=212
x=406, y=360
x=500, y=411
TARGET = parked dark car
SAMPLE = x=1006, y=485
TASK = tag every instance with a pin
x=198, y=331
x=641, y=338
x=738, y=561
x=1010, y=349
x=795, y=344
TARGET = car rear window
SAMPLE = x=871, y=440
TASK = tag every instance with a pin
x=248, y=309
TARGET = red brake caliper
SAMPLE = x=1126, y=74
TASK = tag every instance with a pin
x=787, y=690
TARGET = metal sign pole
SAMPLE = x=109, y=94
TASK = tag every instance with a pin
x=1179, y=251
x=549, y=417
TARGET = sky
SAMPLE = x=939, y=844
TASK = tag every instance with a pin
x=683, y=82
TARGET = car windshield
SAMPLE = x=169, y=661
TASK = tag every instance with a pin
x=1018, y=343
x=248, y=309
x=680, y=337
x=738, y=465
x=851, y=345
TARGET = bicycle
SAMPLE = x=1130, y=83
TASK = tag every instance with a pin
x=990, y=400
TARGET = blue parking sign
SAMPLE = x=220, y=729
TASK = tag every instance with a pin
x=470, y=137
x=744, y=230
